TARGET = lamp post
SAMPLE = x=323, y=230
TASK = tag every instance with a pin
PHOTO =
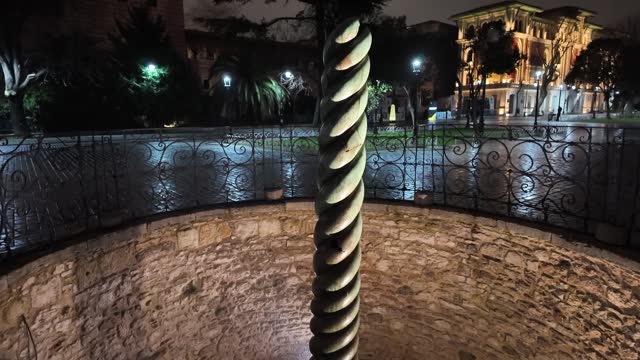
x=566, y=99
x=560, y=103
x=538, y=75
x=416, y=66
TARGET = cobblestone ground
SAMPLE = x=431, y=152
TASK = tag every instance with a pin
x=67, y=186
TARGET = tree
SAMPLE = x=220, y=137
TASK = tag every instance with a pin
x=393, y=51
x=158, y=84
x=629, y=84
x=377, y=91
x=19, y=72
x=564, y=37
x=255, y=92
x=600, y=66
x=324, y=15
x=490, y=50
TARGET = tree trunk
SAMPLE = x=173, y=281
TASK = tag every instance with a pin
x=410, y=107
x=593, y=105
x=16, y=106
x=484, y=99
x=544, y=92
x=316, y=113
x=607, y=106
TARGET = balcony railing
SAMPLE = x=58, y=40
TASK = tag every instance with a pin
x=55, y=187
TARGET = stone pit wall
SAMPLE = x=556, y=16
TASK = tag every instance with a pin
x=235, y=284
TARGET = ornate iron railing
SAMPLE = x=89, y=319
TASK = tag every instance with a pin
x=54, y=187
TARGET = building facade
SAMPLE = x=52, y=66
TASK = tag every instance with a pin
x=536, y=32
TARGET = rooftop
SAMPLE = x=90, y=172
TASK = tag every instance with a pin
x=571, y=12
x=503, y=5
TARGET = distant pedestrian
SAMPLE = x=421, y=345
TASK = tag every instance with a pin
x=559, y=112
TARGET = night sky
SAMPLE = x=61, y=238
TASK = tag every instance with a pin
x=610, y=11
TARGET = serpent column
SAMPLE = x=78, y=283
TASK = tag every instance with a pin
x=336, y=262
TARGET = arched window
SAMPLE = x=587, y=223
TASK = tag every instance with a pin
x=470, y=32
x=518, y=26
x=468, y=56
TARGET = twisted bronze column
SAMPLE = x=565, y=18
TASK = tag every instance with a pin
x=336, y=262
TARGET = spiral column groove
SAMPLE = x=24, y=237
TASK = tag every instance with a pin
x=336, y=262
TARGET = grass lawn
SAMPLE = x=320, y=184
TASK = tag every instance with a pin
x=622, y=120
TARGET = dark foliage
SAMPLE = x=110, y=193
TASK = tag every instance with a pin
x=601, y=66
x=491, y=50
x=255, y=95
x=155, y=100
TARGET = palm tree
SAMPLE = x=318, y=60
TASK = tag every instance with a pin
x=254, y=91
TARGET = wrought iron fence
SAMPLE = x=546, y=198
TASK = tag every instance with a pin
x=54, y=187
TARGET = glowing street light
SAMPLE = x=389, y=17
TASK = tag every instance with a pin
x=227, y=81
x=151, y=68
x=538, y=76
x=288, y=74
x=417, y=65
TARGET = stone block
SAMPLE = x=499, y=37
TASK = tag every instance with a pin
x=245, y=229
x=118, y=238
x=46, y=294
x=11, y=313
x=291, y=226
x=4, y=284
x=214, y=233
x=514, y=258
x=517, y=229
x=270, y=227
x=375, y=207
x=484, y=221
x=188, y=238
x=439, y=214
x=172, y=221
x=257, y=209
x=116, y=260
x=300, y=205
x=88, y=273
x=209, y=214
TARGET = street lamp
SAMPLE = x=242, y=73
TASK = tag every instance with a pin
x=416, y=66
x=288, y=74
x=151, y=68
x=560, y=103
x=538, y=76
x=227, y=81
x=566, y=99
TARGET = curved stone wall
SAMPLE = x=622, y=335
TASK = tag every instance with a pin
x=235, y=284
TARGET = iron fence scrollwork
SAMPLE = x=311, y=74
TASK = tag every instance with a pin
x=55, y=187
